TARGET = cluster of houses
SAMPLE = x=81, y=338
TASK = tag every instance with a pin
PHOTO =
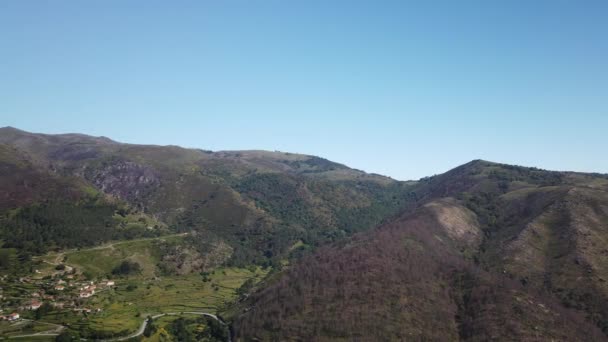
x=12, y=317
x=63, y=291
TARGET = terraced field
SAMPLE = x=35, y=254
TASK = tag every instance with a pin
x=120, y=309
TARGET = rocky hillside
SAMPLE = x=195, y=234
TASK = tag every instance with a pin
x=262, y=204
x=489, y=252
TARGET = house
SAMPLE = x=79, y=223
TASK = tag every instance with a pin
x=110, y=283
x=88, y=288
x=59, y=287
x=87, y=294
x=13, y=317
x=34, y=305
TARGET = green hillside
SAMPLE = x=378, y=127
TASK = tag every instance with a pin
x=259, y=203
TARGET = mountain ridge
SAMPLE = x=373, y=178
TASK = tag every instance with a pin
x=483, y=251
x=498, y=251
x=224, y=192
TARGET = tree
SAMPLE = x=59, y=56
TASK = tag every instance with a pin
x=150, y=328
x=64, y=337
x=126, y=267
x=43, y=310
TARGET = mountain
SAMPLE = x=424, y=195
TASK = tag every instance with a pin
x=485, y=251
x=260, y=203
x=490, y=252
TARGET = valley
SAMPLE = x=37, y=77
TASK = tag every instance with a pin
x=84, y=295
x=102, y=240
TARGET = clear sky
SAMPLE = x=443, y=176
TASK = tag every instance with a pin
x=402, y=88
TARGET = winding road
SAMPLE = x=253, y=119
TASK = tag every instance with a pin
x=138, y=333
x=141, y=329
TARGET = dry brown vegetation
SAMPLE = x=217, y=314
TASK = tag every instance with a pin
x=534, y=274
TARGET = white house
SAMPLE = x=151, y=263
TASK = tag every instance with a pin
x=86, y=294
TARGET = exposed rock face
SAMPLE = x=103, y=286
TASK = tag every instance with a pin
x=459, y=222
x=124, y=179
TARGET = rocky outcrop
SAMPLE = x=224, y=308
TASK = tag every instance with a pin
x=124, y=179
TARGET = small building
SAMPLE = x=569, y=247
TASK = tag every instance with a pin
x=110, y=283
x=13, y=317
x=87, y=287
x=86, y=294
x=59, y=287
x=34, y=305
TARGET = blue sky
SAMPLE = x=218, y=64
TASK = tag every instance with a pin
x=402, y=88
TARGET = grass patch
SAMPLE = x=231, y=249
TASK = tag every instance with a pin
x=99, y=261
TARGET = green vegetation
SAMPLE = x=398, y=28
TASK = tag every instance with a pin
x=39, y=228
x=253, y=204
x=126, y=267
x=199, y=329
x=146, y=252
x=125, y=305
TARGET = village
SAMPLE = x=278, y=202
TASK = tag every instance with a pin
x=63, y=289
